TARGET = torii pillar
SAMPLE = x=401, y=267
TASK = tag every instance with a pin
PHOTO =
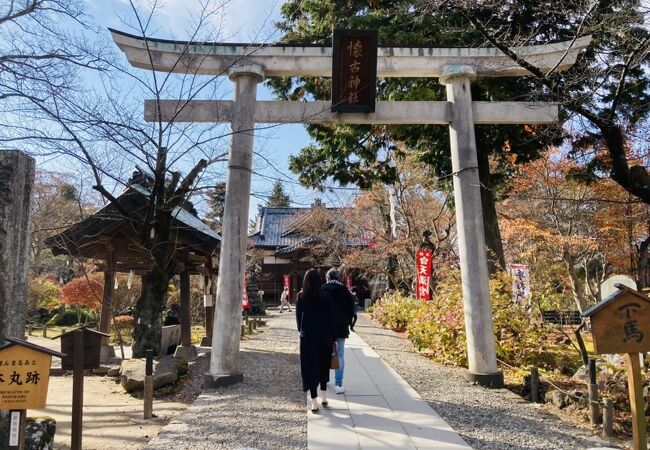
x=224, y=364
x=481, y=353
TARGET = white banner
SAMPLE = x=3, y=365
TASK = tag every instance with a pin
x=520, y=284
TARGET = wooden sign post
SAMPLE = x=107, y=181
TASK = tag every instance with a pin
x=24, y=377
x=621, y=324
x=83, y=348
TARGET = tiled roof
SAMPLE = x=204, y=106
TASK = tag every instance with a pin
x=278, y=228
x=273, y=224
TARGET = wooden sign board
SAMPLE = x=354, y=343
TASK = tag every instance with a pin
x=92, y=348
x=621, y=322
x=24, y=375
x=354, y=71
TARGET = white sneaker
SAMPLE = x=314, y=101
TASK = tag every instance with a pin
x=339, y=389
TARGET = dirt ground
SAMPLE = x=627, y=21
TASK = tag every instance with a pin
x=112, y=419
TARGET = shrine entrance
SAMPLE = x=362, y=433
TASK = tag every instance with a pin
x=248, y=64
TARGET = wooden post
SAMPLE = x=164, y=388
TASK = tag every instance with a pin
x=637, y=404
x=208, y=304
x=107, y=298
x=534, y=385
x=148, y=386
x=29, y=329
x=77, y=390
x=45, y=330
x=243, y=330
x=594, y=406
x=186, y=317
x=17, y=422
x=250, y=327
x=608, y=418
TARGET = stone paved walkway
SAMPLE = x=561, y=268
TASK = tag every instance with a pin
x=379, y=410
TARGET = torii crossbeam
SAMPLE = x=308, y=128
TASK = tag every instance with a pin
x=248, y=64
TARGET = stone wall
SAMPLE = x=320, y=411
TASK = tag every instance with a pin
x=16, y=182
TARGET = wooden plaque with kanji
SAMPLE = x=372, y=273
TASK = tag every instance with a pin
x=24, y=376
x=621, y=322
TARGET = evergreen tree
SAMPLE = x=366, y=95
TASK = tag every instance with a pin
x=278, y=198
x=216, y=200
x=361, y=154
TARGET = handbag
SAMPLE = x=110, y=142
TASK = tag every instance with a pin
x=334, y=362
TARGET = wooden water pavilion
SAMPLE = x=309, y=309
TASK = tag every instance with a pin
x=112, y=240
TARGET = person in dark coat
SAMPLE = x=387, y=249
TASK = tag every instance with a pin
x=314, y=320
x=343, y=309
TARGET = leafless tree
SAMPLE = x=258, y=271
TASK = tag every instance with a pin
x=97, y=123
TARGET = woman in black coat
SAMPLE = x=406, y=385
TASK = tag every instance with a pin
x=314, y=320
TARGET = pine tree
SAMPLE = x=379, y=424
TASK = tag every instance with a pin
x=216, y=200
x=278, y=198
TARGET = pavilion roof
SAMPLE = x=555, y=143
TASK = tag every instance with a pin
x=90, y=237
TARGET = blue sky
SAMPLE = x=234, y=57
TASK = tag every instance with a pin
x=237, y=21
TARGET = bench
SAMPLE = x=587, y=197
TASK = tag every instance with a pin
x=562, y=317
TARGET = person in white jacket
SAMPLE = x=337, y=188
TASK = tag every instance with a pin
x=284, y=299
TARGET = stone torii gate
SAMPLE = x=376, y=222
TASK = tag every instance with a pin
x=248, y=64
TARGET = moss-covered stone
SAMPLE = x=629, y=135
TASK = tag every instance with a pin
x=39, y=433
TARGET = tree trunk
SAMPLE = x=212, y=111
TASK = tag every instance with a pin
x=643, y=265
x=390, y=230
x=147, y=329
x=496, y=257
x=148, y=312
x=577, y=287
x=635, y=179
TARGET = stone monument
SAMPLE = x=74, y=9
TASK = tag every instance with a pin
x=16, y=182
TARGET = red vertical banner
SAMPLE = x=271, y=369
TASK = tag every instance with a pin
x=244, y=295
x=348, y=282
x=423, y=265
x=285, y=280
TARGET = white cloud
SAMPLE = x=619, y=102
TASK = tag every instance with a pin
x=233, y=20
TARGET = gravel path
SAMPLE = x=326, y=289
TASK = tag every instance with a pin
x=266, y=411
x=494, y=419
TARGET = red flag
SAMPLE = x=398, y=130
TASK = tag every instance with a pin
x=423, y=275
x=348, y=282
x=244, y=296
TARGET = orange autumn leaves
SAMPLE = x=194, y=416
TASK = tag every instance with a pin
x=82, y=292
x=550, y=216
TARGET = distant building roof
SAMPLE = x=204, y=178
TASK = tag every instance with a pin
x=280, y=229
x=274, y=227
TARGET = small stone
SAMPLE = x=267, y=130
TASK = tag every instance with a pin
x=559, y=399
x=165, y=372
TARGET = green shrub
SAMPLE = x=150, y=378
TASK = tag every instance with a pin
x=437, y=327
x=395, y=311
x=72, y=316
x=43, y=294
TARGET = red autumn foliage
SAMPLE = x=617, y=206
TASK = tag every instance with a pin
x=83, y=292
